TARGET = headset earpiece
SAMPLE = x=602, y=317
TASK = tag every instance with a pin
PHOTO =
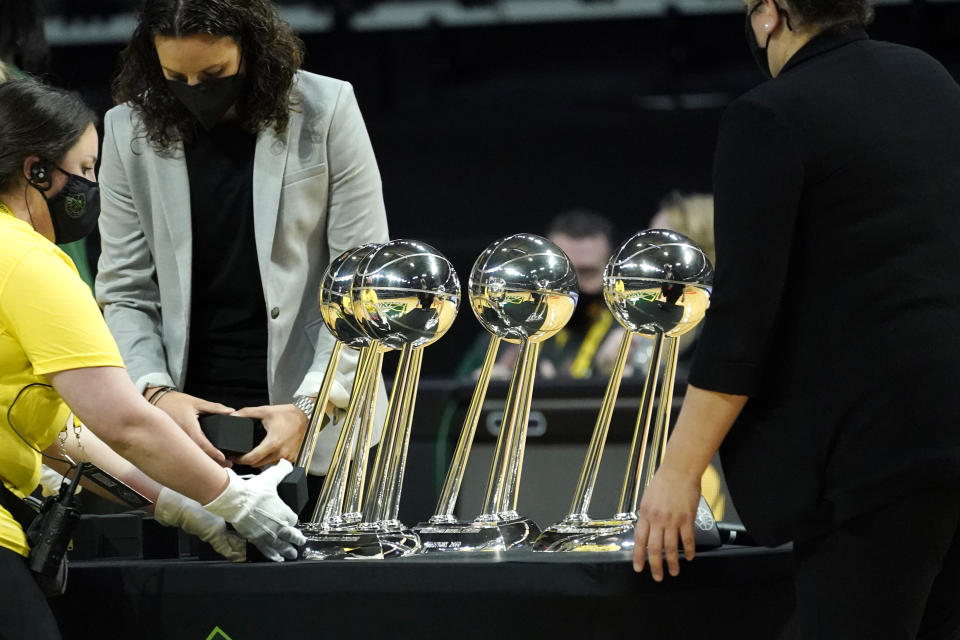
x=40, y=176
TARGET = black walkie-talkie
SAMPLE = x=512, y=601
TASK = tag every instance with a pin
x=50, y=532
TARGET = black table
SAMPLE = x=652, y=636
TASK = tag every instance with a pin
x=727, y=593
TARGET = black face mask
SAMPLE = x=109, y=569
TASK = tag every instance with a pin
x=760, y=55
x=210, y=100
x=74, y=210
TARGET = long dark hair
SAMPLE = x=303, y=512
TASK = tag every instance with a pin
x=22, y=40
x=37, y=120
x=272, y=52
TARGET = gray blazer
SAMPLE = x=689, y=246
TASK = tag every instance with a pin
x=316, y=194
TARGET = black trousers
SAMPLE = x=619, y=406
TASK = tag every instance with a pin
x=24, y=612
x=891, y=574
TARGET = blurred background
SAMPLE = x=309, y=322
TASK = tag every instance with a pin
x=491, y=117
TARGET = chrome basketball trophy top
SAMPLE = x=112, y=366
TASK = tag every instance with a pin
x=658, y=281
x=523, y=287
x=657, y=284
x=336, y=309
x=401, y=295
x=408, y=293
x=336, y=306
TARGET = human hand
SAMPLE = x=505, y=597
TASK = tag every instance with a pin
x=666, y=513
x=175, y=510
x=184, y=409
x=285, y=425
x=258, y=514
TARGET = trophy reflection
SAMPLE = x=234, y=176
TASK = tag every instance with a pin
x=658, y=285
x=523, y=289
x=403, y=295
x=336, y=308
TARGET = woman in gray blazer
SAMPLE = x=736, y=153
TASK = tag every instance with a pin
x=230, y=179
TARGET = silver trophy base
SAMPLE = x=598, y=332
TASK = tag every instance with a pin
x=452, y=535
x=517, y=531
x=590, y=535
x=358, y=543
x=574, y=535
x=487, y=533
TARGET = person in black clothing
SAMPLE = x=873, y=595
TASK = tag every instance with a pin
x=829, y=351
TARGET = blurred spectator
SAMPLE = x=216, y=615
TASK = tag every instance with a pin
x=23, y=44
x=24, y=49
x=587, y=346
x=690, y=214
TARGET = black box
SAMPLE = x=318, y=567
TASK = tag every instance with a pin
x=231, y=434
x=107, y=536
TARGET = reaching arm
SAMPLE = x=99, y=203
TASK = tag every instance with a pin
x=669, y=504
x=106, y=401
x=87, y=447
x=170, y=508
x=48, y=310
x=758, y=183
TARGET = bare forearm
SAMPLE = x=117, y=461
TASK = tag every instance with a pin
x=166, y=454
x=107, y=402
x=90, y=448
x=704, y=421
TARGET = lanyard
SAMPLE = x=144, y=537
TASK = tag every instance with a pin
x=598, y=330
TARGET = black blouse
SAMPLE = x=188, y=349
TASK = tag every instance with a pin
x=837, y=290
x=227, y=358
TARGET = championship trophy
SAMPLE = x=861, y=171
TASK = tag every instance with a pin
x=523, y=289
x=336, y=308
x=293, y=488
x=405, y=295
x=657, y=284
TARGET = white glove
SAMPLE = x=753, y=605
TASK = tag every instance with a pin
x=175, y=510
x=50, y=482
x=257, y=513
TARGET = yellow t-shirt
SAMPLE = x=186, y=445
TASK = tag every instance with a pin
x=49, y=322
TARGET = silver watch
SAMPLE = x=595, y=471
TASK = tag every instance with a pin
x=305, y=404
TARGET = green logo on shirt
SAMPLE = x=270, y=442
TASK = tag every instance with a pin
x=218, y=634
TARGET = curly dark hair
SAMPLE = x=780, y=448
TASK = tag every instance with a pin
x=37, y=120
x=826, y=13
x=271, y=50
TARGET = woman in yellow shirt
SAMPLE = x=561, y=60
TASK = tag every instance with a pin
x=56, y=355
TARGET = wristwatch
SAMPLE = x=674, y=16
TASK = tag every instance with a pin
x=305, y=404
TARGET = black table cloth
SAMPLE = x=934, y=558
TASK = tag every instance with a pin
x=727, y=593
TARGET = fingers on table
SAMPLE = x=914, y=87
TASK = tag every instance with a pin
x=655, y=552
x=655, y=545
x=689, y=541
x=640, y=535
